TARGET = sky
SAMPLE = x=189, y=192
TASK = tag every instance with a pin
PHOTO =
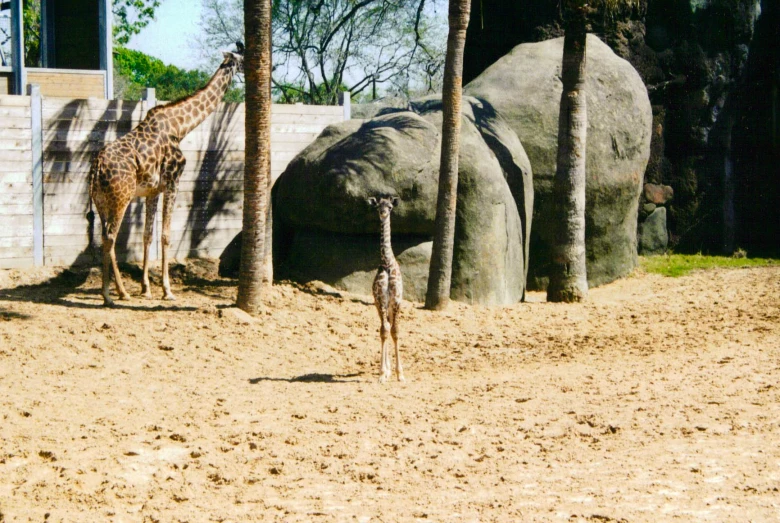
x=169, y=37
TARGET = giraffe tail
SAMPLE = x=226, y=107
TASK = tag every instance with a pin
x=92, y=244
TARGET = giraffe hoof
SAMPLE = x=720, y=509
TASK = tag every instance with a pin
x=124, y=297
x=401, y=378
x=169, y=297
x=108, y=302
x=382, y=379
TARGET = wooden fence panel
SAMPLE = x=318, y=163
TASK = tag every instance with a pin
x=63, y=82
x=6, y=81
x=208, y=210
x=16, y=190
x=73, y=130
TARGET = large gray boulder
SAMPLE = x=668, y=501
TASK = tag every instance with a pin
x=324, y=229
x=326, y=186
x=525, y=88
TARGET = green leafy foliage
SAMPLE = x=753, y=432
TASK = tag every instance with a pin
x=140, y=70
x=674, y=265
x=31, y=19
x=130, y=16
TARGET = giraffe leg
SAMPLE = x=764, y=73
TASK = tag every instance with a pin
x=110, y=205
x=381, y=302
x=384, y=369
x=172, y=174
x=168, y=201
x=151, y=213
x=399, y=371
x=108, y=247
x=110, y=228
x=385, y=363
x=120, y=288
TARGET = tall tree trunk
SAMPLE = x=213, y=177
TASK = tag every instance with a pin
x=257, y=172
x=440, y=272
x=268, y=259
x=568, y=275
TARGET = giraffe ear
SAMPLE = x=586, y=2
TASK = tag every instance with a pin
x=372, y=202
x=396, y=201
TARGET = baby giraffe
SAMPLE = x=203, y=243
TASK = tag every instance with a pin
x=388, y=289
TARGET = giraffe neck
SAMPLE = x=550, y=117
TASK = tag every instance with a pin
x=186, y=114
x=386, y=247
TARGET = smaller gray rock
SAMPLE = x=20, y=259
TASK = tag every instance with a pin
x=653, y=237
x=645, y=210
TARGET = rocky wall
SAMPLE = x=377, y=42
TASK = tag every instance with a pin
x=711, y=69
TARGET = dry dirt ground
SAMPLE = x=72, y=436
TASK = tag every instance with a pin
x=657, y=400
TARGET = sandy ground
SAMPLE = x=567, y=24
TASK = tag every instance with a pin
x=657, y=400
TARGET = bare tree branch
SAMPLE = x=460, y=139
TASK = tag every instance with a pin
x=322, y=45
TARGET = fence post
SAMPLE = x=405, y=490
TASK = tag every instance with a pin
x=17, y=46
x=105, y=16
x=36, y=125
x=344, y=101
x=149, y=98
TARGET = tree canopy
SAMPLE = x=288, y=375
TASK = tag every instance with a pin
x=135, y=71
x=130, y=16
x=321, y=48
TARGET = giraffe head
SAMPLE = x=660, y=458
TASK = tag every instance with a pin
x=235, y=59
x=384, y=204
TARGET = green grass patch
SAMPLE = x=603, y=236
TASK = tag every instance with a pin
x=675, y=265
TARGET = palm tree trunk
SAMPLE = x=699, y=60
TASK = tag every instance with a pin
x=268, y=259
x=568, y=275
x=440, y=273
x=257, y=173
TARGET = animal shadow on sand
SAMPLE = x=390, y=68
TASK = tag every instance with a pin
x=12, y=315
x=313, y=378
x=72, y=285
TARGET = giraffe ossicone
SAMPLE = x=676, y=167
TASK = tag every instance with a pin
x=388, y=288
x=146, y=162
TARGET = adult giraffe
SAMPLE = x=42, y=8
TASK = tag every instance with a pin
x=145, y=162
